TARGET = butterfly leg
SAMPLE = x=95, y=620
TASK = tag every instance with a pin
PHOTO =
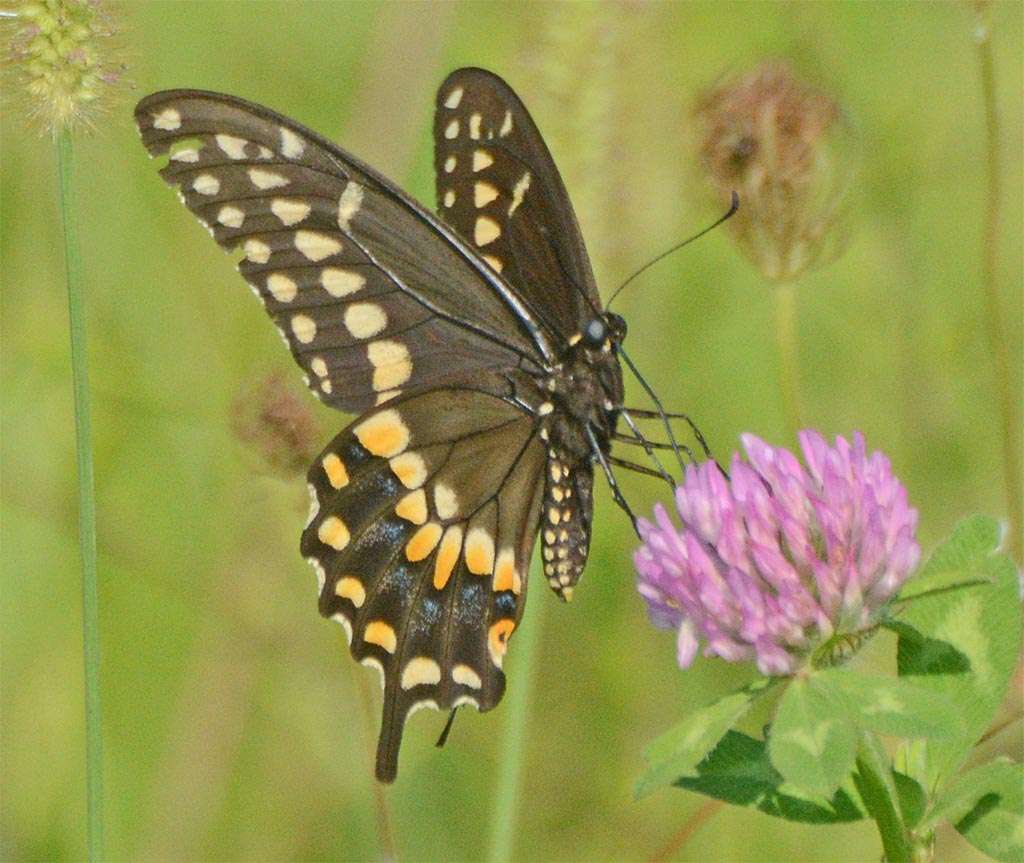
x=657, y=403
x=612, y=484
x=653, y=415
x=639, y=437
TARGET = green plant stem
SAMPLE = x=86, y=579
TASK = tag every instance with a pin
x=993, y=312
x=678, y=841
x=517, y=710
x=86, y=502
x=878, y=791
x=785, y=333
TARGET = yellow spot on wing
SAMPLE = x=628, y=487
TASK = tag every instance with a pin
x=365, y=320
x=479, y=551
x=231, y=217
x=410, y=469
x=447, y=556
x=206, y=184
x=482, y=159
x=419, y=671
x=341, y=283
x=519, y=192
x=446, y=502
x=505, y=575
x=506, y=125
x=334, y=467
x=282, y=287
x=288, y=211
x=494, y=262
x=304, y=328
x=392, y=365
x=383, y=434
x=474, y=126
x=232, y=146
x=413, y=507
x=168, y=119
x=466, y=676
x=452, y=130
x=348, y=206
x=380, y=633
x=449, y=198
x=484, y=193
x=266, y=179
x=453, y=99
x=257, y=251
x=333, y=532
x=423, y=542
x=487, y=230
x=449, y=164
x=351, y=588
x=292, y=145
x=316, y=246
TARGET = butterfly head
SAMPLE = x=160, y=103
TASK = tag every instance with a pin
x=604, y=332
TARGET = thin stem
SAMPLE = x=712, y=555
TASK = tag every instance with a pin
x=785, y=333
x=692, y=824
x=385, y=837
x=86, y=502
x=517, y=708
x=878, y=791
x=994, y=317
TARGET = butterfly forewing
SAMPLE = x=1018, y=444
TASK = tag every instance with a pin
x=424, y=513
x=498, y=186
x=370, y=295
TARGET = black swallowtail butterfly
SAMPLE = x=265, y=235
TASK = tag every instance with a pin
x=473, y=347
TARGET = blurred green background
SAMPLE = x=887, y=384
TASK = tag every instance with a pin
x=233, y=725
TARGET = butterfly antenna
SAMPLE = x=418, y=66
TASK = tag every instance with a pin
x=733, y=207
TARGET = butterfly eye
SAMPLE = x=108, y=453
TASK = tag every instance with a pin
x=595, y=333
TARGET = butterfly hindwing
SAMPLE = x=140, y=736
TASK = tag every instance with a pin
x=372, y=294
x=424, y=516
x=498, y=186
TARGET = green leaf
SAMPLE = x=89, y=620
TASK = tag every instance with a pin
x=982, y=623
x=738, y=771
x=813, y=742
x=921, y=655
x=986, y=805
x=679, y=750
x=892, y=705
x=958, y=559
x=911, y=797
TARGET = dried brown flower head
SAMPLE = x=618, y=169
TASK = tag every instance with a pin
x=278, y=423
x=63, y=57
x=784, y=146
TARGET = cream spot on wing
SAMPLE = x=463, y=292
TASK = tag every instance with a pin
x=314, y=504
x=386, y=396
x=495, y=262
x=341, y=283
x=380, y=633
x=266, y=179
x=479, y=551
x=289, y=211
x=257, y=251
x=292, y=145
x=327, y=387
x=232, y=217
x=265, y=152
x=449, y=164
x=316, y=246
x=484, y=193
x=453, y=99
x=482, y=159
x=446, y=502
x=319, y=368
x=449, y=198
x=419, y=671
x=232, y=146
x=384, y=434
x=392, y=365
x=349, y=204
x=351, y=588
x=334, y=467
x=554, y=516
x=333, y=532
x=189, y=154
x=281, y=287
x=447, y=556
x=345, y=624
x=506, y=125
x=304, y=328
x=413, y=507
x=206, y=184
x=466, y=676
x=474, y=126
x=486, y=230
x=321, y=575
x=371, y=662
x=168, y=119
x=519, y=192
x=410, y=469
x=452, y=130
x=365, y=320
x=423, y=542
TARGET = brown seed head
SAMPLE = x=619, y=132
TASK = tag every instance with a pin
x=784, y=147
